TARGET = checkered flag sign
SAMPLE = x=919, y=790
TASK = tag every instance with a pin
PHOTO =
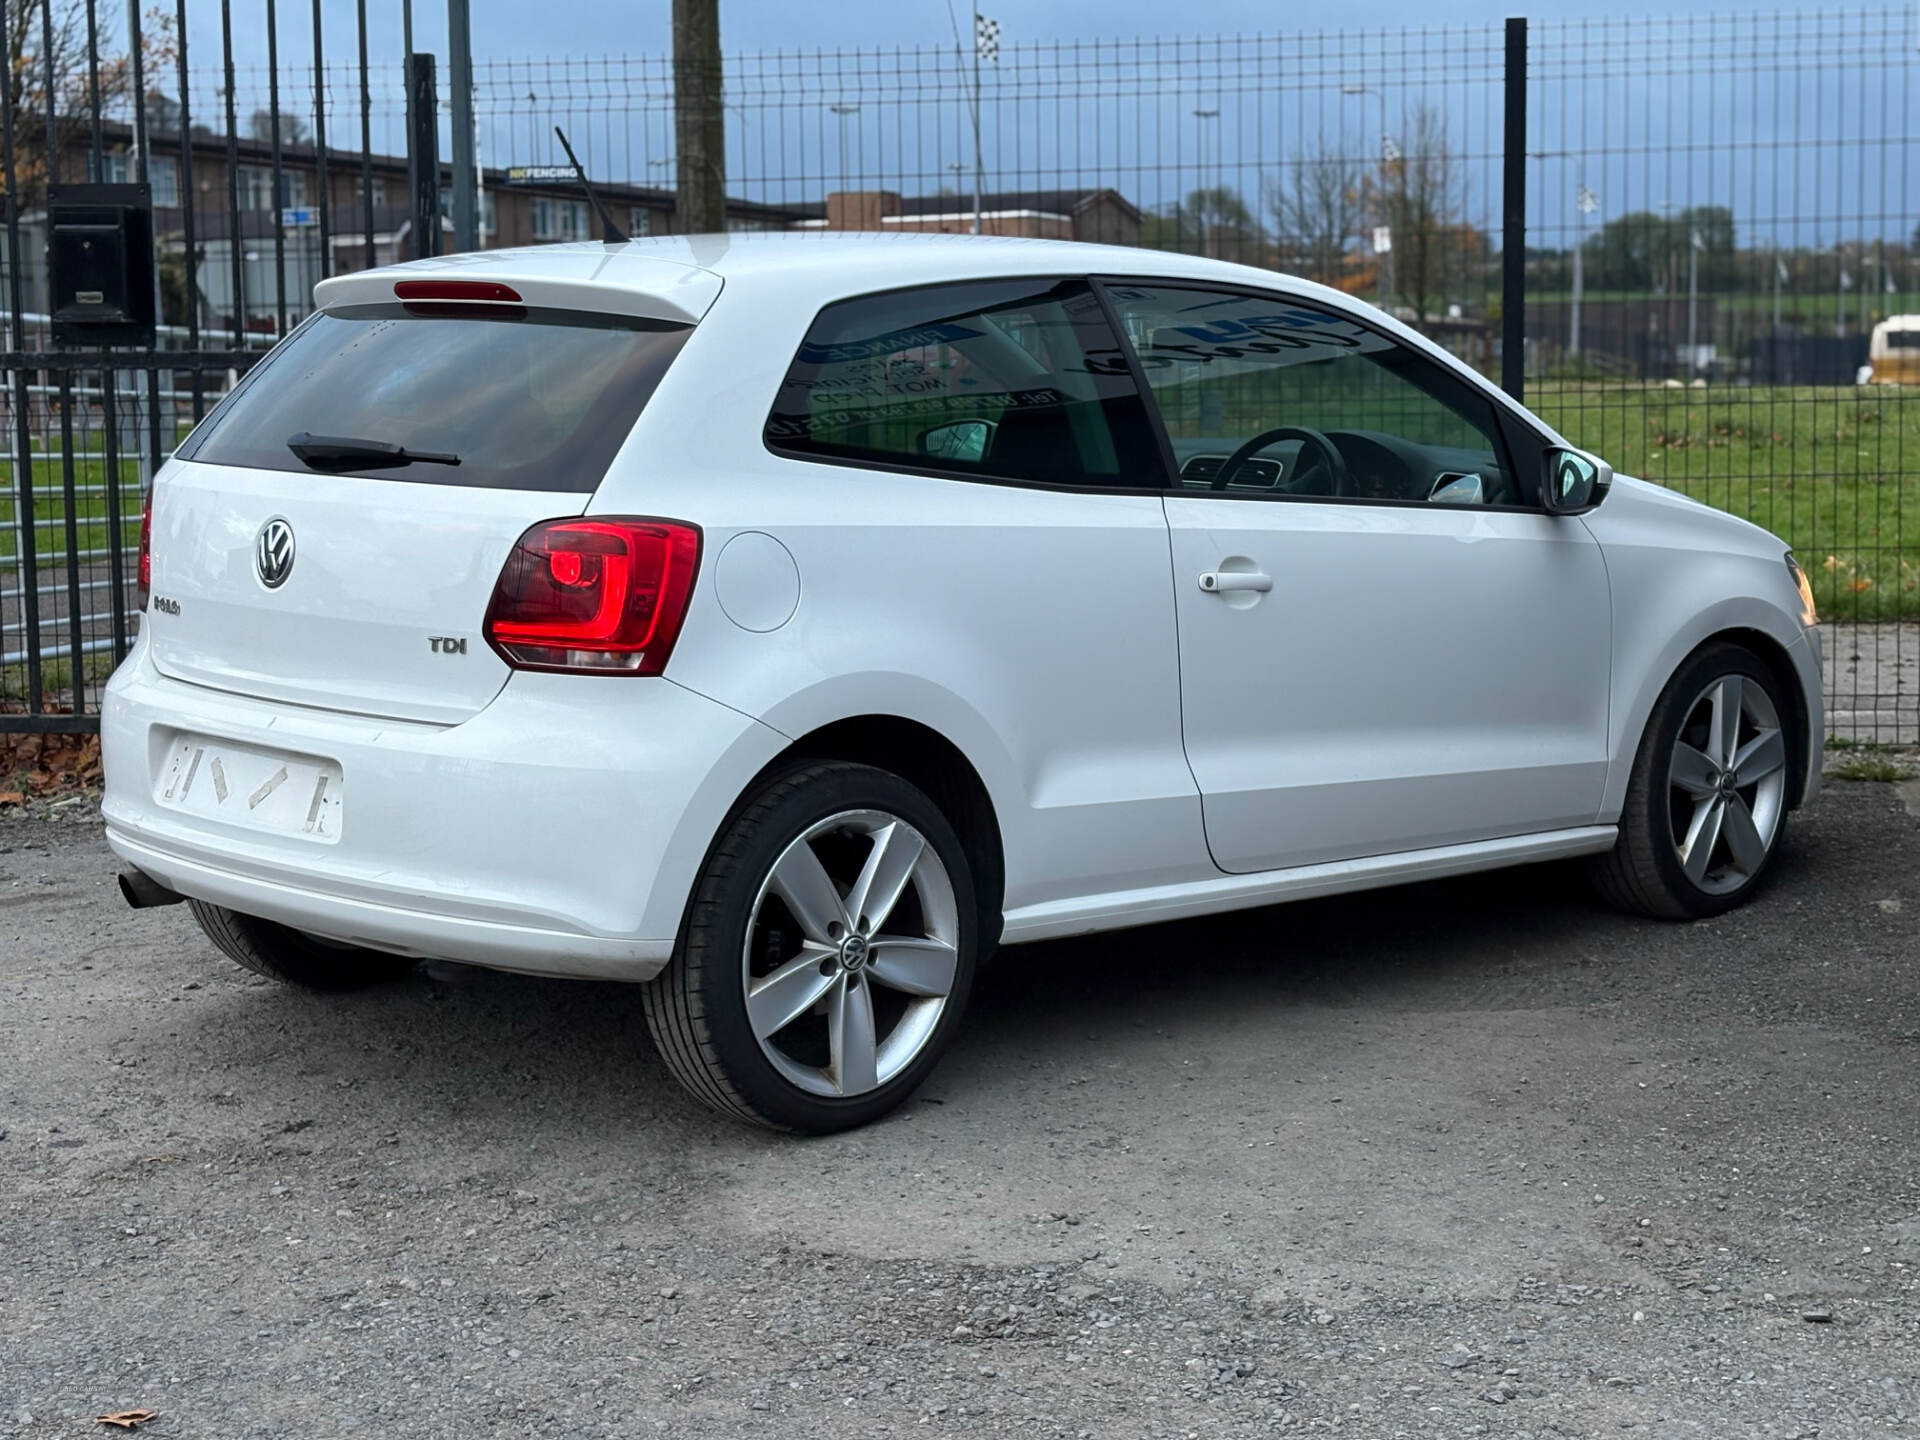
x=986, y=38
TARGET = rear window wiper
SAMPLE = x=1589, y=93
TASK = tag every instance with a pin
x=344, y=452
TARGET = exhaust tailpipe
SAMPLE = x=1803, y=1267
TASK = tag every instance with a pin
x=143, y=892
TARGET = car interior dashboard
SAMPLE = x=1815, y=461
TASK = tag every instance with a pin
x=1377, y=466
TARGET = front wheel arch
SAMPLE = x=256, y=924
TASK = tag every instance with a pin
x=1649, y=870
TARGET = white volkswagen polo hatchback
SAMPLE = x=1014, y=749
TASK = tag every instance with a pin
x=784, y=622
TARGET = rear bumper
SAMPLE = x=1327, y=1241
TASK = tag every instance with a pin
x=556, y=832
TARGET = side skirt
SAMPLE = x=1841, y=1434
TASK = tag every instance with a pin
x=1119, y=909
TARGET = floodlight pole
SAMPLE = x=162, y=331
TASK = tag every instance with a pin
x=977, y=163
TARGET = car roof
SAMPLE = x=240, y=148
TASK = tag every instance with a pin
x=679, y=276
x=868, y=261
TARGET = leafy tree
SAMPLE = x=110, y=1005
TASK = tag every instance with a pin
x=293, y=130
x=1212, y=220
x=1642, y=251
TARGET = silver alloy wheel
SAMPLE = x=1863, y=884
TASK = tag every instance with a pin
x=1727, y=784
x=851, y=953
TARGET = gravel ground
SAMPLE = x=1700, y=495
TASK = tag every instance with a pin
x=1469, y=1159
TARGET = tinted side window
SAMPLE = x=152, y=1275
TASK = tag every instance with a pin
x=1226, y=369
x=1005, y=379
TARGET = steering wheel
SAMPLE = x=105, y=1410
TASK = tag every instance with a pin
x=1330, y=456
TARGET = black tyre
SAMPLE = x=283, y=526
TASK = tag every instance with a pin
x=1707, y=800
x=291, y=957
x=826, y=956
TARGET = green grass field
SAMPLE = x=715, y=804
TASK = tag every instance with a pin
x=1808, y=307
x=1834, y=471
x=50, y=510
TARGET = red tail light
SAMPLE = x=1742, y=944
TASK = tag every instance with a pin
x=144, y=586
x=603, y=596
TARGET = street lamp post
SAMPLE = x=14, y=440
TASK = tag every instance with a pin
x=1843, y=284
x=844, y=110
x=1696, y=242
x=1585, y=202
x=1203, y=115
x=1666, y=286
x=1389, y=152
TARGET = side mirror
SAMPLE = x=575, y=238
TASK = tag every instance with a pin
x=1573, y=482
x=964, y=440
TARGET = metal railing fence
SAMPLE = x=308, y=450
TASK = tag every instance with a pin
x=1718, y=215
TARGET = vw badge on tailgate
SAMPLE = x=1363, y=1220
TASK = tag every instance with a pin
x=273, y=552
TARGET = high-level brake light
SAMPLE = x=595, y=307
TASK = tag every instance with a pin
x=482, y=290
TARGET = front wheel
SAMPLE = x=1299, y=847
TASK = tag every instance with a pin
x=1707, y=800
x=826, y=956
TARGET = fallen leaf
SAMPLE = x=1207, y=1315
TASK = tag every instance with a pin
x=12, y=797
x=126, y=1419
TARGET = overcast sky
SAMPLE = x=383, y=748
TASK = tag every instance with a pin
x=519, y=28
x=1799, y=121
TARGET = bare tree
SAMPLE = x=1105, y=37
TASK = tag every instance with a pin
x=1424, y=191
x=1317, y=206
x=29, y=30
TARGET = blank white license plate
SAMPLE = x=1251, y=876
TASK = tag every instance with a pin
x=261, y=789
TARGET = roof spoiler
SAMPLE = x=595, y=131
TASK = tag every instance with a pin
x=600, y=282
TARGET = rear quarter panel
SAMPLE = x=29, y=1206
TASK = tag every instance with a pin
x=1032, y=628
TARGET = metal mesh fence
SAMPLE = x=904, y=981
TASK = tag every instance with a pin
x=1720, y=221
x=1720, y=236
x=1719, y=215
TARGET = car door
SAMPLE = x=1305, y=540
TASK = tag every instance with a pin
x=971, y=490
x=1385, y=644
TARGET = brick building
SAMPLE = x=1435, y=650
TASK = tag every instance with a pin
x=240, y=210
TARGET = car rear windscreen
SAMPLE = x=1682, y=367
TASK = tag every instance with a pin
x=526, y=399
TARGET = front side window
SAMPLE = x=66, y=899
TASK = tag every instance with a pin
x=486, y=210
x=121, y=167
x=1004, y=379
x=1261, y=395
x=256, y=188
x=559, y=219
x=163, y=173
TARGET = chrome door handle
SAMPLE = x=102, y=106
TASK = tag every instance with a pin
x=1219, y=582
